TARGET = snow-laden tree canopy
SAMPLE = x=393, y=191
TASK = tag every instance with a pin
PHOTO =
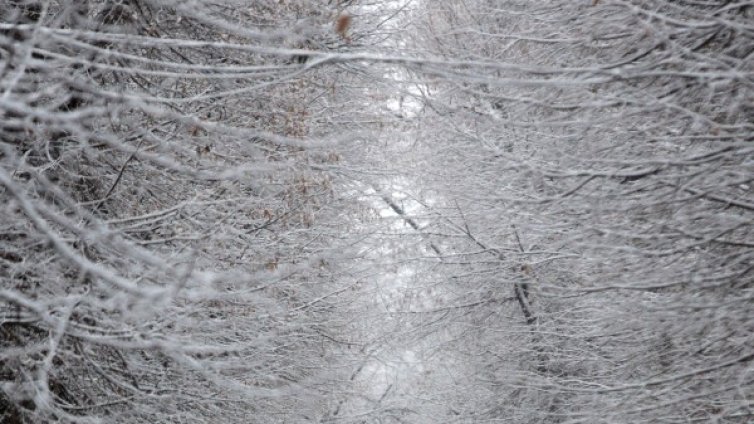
x=410, y=211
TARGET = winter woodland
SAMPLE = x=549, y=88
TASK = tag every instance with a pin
x=376, y=211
